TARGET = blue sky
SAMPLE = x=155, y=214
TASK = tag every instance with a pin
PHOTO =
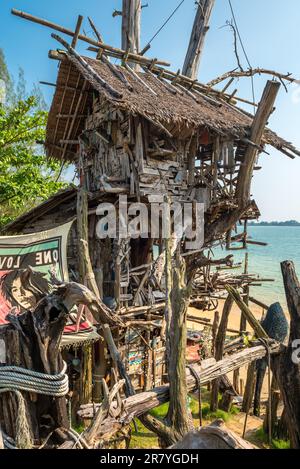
x=271, y=35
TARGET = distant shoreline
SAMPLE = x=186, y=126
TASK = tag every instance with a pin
x=275, y=223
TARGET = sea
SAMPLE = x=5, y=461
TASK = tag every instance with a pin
x=283, y=244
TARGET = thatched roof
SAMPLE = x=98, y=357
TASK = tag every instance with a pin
x=176, y=112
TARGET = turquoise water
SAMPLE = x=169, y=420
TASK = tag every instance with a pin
x=283, y=244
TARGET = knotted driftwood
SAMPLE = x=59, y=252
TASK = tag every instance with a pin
x=31, y=341
x=138, y=404
x=286, y=366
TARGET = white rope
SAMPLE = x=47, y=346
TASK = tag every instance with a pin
x=14, y=377
x=23, y=437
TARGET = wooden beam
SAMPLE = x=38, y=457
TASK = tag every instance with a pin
x=196, y=45
x=208, y=371
x=254, y=323
x=77, y=31
x=131, y=27
x=84, y=38
x=260, y=121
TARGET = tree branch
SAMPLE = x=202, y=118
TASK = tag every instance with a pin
x=250, y=73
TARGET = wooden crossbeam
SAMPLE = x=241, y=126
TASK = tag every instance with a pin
x=82, y=37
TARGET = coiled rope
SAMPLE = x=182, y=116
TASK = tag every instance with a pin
x=16, y=378
x=23, y=436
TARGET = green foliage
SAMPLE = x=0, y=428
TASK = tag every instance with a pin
x=143, y=438
x=262, y=436
x=7, y=87
x=218, y=414
x=26, y=176
x=161, y=411
x=78, y=427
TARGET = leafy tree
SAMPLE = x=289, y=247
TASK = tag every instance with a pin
x=5, y=79
x=27, y=177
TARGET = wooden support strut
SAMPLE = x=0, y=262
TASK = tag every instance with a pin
x=77, y=31
x=265, y=108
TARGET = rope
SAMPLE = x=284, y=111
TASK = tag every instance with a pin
x=23, y=437
x=243, y=48
x=14, y=377
x=266, y=345
x=165, y=23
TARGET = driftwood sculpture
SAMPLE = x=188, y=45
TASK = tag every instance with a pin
x=198, y=146
x=286, y=365
x=33, y=381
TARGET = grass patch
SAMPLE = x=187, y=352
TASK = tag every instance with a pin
x=262, y=436
x=218, y=414
x=143, y=438
x=78, y=427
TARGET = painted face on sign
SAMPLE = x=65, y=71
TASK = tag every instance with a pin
x=23, y=288
x=22, y=296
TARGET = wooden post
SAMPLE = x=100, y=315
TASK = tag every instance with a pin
x=178, y=413
x=131, y=27
x=196, y=45
x=275, y=401
x=249, y=388
x=86, y=378
x=1, y=439
x=214, y=331
x=260, y=121
x=243, y=323
x=219, y=349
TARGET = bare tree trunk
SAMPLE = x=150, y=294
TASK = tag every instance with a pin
x=131, y=24
x=178, y=414
x=196, y=45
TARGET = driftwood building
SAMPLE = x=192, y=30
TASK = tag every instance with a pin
x=134, y=133
x=141, y=130
x=141, y=133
